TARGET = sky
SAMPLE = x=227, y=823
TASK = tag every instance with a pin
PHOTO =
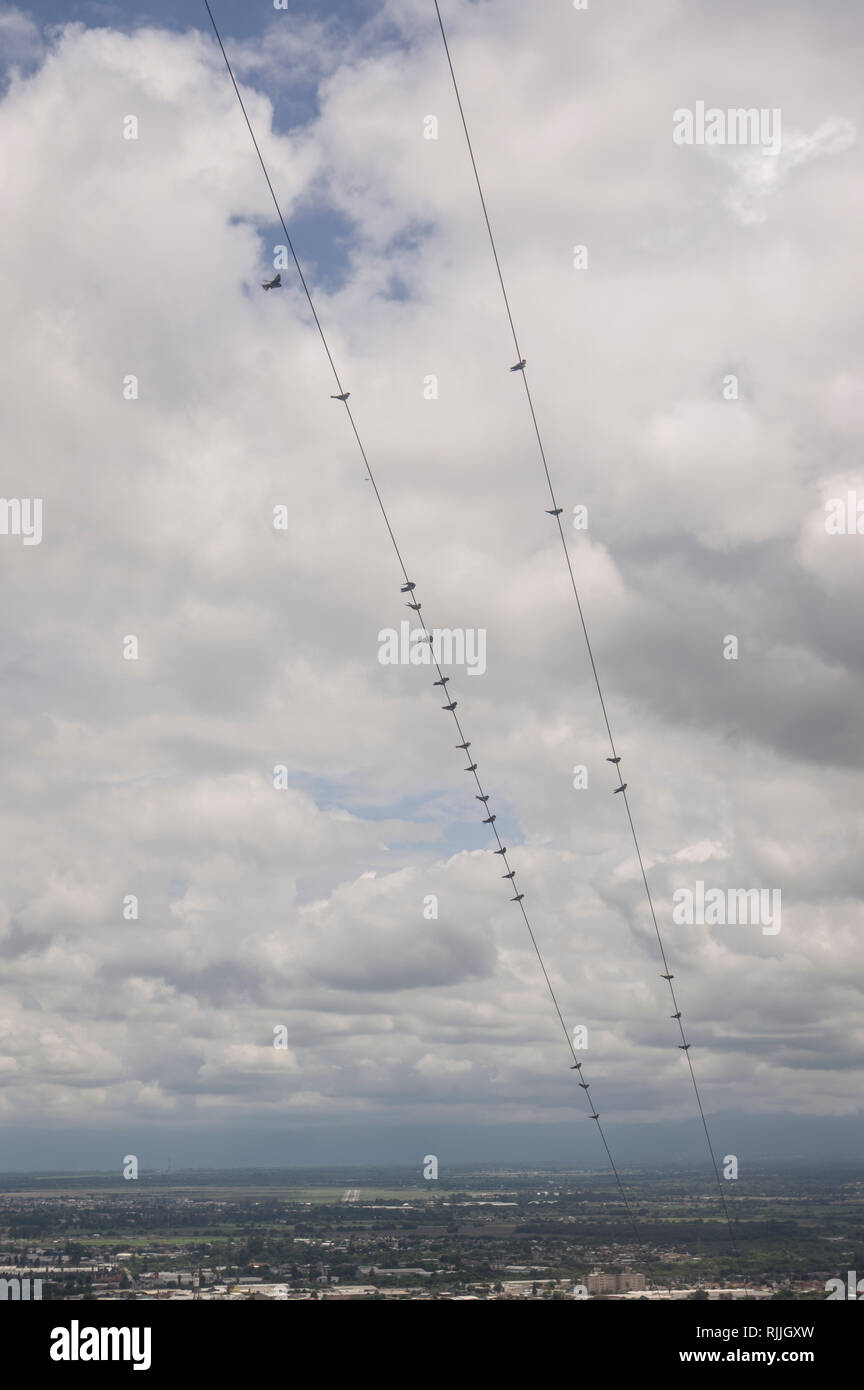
x=301, y=907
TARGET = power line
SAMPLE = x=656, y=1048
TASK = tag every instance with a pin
x=409, y=588
x=556, y=513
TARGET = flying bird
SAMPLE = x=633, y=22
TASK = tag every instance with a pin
x=274, y=284
x=520, y=366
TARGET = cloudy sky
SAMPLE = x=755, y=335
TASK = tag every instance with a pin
x=303, y=906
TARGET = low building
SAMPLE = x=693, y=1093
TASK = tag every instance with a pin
x=627, y=1282
x=602, y=1283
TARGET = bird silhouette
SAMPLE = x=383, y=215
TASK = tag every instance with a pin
x=274, y=284
x=343, y=397
x=520, y=366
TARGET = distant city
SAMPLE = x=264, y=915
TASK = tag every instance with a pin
x=474, y=1233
